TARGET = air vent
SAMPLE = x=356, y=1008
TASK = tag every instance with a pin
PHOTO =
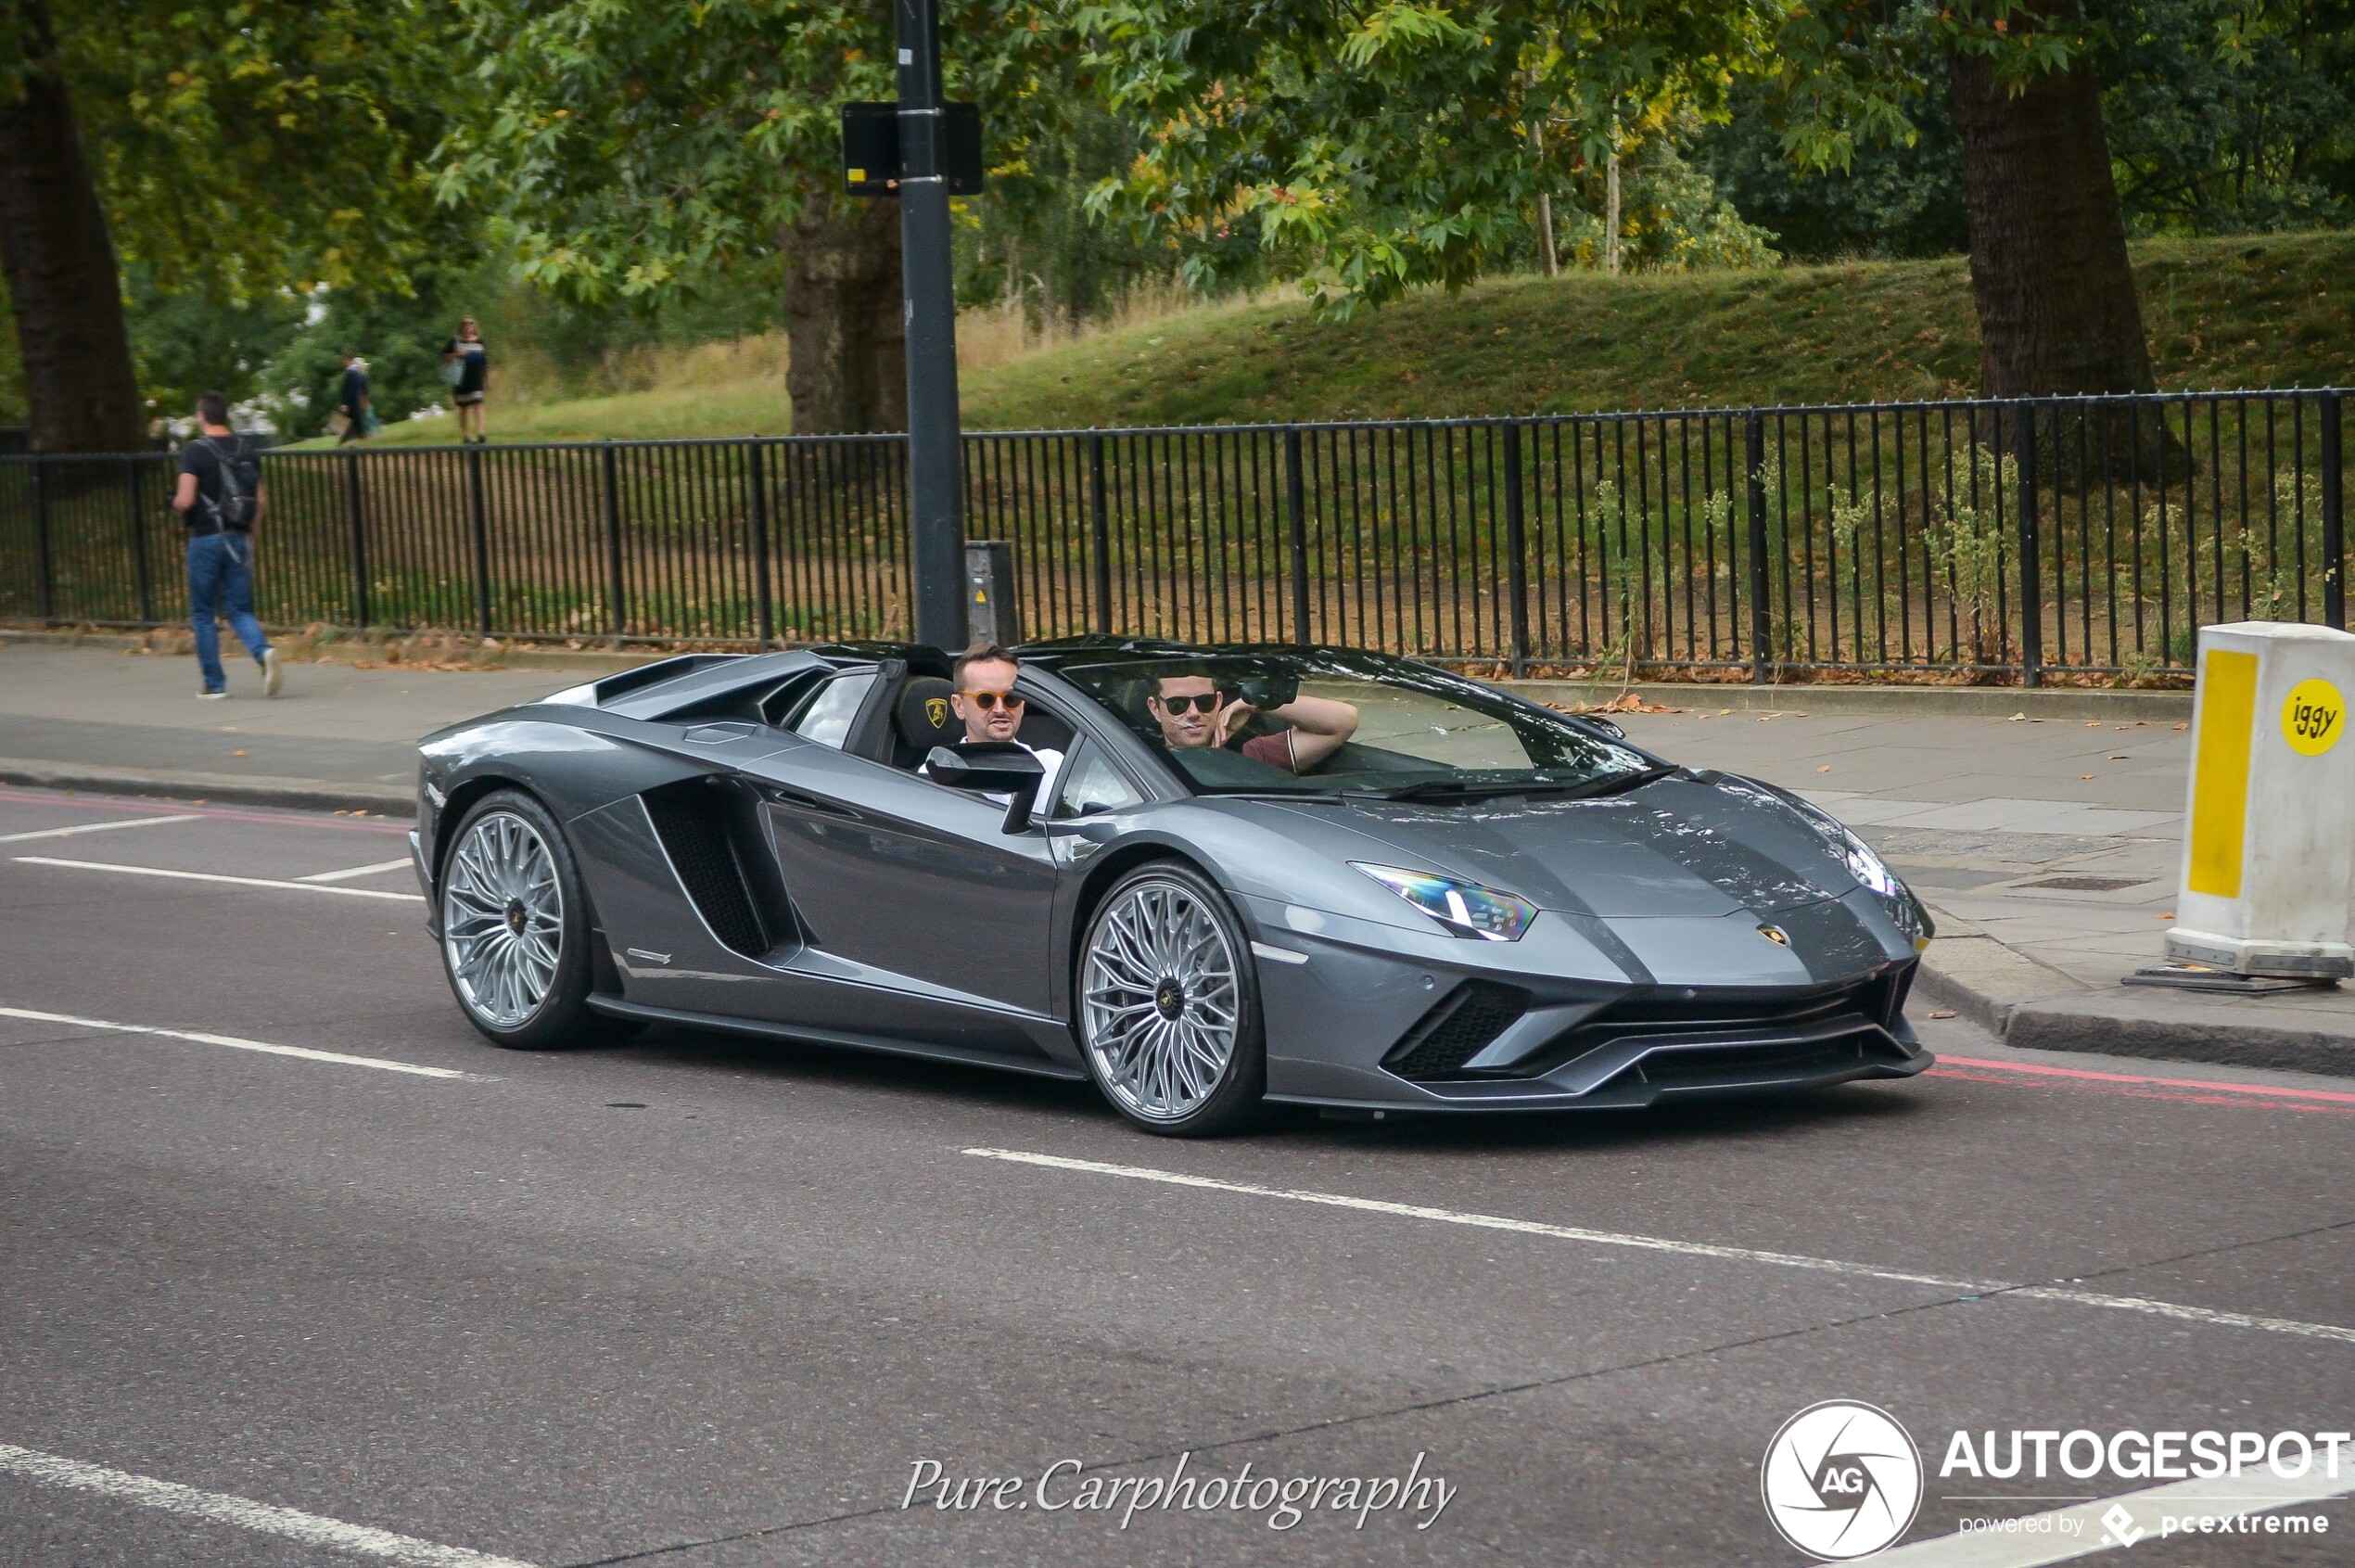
x=691, y=821
x=1457, y=1029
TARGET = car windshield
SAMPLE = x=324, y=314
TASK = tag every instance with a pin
x=1344, y=723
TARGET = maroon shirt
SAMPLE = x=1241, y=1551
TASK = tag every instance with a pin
x=1275, y=750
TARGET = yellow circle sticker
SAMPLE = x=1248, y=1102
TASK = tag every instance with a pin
x=2313, y=717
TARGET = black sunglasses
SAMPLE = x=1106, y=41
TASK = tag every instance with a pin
x=1197, y=702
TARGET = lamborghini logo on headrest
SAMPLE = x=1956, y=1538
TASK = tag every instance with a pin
x=936, y=709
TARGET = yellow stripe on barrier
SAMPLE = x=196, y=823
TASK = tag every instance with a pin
x=2220, y=775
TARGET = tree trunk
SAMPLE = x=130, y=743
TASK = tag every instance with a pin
x=2056, y=296
x=62, y=284
x=847, y=338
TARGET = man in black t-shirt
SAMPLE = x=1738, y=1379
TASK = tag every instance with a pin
x=353, y=400
x=219, y=496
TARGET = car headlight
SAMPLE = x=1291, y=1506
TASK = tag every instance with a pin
x=1466, y=908
x=1879, y=881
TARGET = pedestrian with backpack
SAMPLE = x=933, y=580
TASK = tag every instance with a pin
x=220, y=499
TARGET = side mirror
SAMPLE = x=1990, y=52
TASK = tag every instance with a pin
x=996, y=767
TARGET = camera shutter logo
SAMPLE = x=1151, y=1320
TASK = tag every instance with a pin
x=1841, y=1480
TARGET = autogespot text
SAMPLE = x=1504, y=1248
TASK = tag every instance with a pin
x=1283, y=1501
x=2143, y=1456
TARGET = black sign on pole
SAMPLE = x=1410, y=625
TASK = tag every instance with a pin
x=871, y=163
x=935, y=477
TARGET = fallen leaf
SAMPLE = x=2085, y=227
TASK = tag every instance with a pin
x=1942, y=1013
x=2119, y=756
x=2016, y=718
x=2167, y=914
x=1825, y=769
x=2183, y=726
x=236, y=754
x=2092, y=723
x=2085, y=775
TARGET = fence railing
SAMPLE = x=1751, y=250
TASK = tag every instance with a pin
x=2075, y=537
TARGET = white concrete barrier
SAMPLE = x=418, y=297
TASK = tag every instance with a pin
x=2269, y=818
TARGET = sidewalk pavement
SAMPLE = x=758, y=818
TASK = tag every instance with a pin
x=2046, y=844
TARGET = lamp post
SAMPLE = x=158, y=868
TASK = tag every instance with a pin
x=933, y=470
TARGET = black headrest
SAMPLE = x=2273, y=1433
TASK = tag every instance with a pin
x=924, y=715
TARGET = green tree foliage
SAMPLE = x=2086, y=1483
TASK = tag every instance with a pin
x=1370, y=149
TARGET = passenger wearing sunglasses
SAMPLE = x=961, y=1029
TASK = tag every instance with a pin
x=1192, y=712
x=984, y=698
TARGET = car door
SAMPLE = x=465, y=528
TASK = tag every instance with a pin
x=908, y=886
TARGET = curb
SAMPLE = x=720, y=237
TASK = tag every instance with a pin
x=2032, y=1008
x=307, y=794
x=1957, y=702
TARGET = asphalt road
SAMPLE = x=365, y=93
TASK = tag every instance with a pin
x=692, y=1301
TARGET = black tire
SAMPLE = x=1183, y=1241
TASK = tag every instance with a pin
x=1114, y=987
x=559, y=1015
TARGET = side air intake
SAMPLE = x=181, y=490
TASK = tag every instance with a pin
x=1457, y=1029
x=694, y=821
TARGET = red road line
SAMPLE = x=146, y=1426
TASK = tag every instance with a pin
x=2207, y=1086
x=150, y=803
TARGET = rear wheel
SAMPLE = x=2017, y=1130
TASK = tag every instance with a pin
x=1168, y=1005
x=514, y=927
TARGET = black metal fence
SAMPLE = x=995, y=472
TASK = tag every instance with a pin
x=2065, y=537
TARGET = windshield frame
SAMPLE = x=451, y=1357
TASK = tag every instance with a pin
x=1075, y=662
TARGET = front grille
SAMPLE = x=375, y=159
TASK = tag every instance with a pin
x=1457, y=1029
x=1667, y=1017
x=687, y=820
x=1750, y=1063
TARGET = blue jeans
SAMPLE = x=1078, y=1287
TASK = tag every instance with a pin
x=220, y=583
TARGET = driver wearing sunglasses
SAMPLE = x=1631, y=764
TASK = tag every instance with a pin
x=984, y=698
x=1192, y=712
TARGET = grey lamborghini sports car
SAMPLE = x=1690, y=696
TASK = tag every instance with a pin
x=1227, y=876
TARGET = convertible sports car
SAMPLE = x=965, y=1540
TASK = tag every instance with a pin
x=1256, y=873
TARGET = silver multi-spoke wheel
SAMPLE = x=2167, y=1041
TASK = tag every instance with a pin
x=1162, y=1000
x=503, y=919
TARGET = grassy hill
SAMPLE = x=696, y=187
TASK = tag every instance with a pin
x=2255, y=311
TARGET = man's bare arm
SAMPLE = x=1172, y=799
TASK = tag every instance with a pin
x=1320, y=727
x=186, y=496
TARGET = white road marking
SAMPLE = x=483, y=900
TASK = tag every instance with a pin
x=2044, y=1537
x=1688, y=1249
x=221, y=1508
x=236, y=1043
x=93, y=827
x=215, y=876
x=401, y=864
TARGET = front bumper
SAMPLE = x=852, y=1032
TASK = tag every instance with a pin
x=1401, y=1022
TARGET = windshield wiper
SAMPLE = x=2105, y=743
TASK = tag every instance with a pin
x=1483, y=789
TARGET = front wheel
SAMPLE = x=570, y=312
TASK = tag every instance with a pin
x=515, y=926
x=1168, y=1005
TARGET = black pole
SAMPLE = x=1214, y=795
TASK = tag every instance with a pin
x=1296, y=520
x=616, y=612
x=1516, y=547
x=354, y=517
x=42, y=563
x=764, y=607
x=2031, y=566
x=938, y=547
x=477, y=515
x=2333, y=519
x=1754, y=508
x=1100, y=531
x=139, y=567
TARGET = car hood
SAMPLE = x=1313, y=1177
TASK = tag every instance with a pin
x=1679, y=847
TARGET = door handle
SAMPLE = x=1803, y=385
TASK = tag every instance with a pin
x=824, y=806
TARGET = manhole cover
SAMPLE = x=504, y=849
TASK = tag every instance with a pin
x=2086, y=884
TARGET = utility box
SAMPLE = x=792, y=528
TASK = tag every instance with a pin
x=2269, y=819
x=991, y=615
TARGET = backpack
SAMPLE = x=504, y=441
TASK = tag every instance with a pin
x=232, y=511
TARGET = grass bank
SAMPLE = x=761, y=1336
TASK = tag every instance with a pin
x=2270, y=311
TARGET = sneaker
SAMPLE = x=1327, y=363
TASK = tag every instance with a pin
x=210, y=697
x=274, y=675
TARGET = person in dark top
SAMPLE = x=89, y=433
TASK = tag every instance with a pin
x=471, y=362
x=352, y=399
x=1193, y=713
x=220, y=498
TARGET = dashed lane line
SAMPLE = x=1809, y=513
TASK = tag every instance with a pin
x=94, y=827
x=236, y=1042
x=216, y=877
x=2108, y=1524
x=1969, y=1288
x=402, y=864
x=223, y=1508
